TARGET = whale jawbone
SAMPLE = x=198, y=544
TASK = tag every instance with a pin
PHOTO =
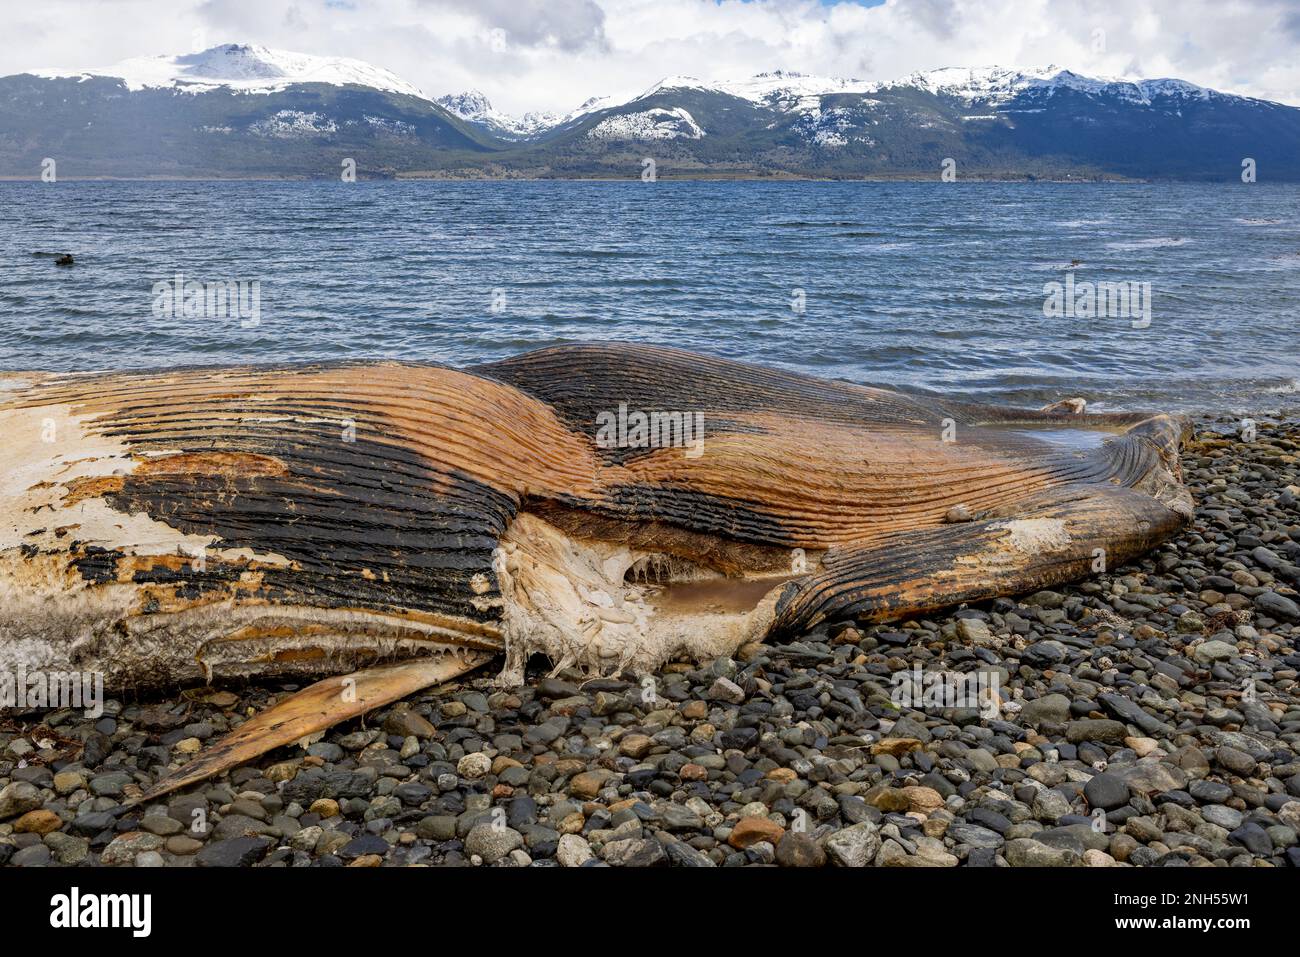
x=600, y=606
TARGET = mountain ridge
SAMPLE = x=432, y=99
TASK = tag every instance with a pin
x=250, y=67
x=990, y=121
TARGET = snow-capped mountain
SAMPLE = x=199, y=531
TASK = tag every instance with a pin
x=1038, y=122
x=474, y=107
x=244, y=67
x=780, y=89
x=241, y=110
x=781, y=96
x=787, y=91
x=996, y=85
x=233, y=110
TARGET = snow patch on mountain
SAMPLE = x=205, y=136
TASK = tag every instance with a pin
x=246, y=68
x=390, y=126
x=653, y=124
x=292, y=123
x=833, y=128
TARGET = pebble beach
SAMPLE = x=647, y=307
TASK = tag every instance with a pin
x=1146, y=717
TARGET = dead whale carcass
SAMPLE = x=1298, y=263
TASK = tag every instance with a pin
x=167, y=527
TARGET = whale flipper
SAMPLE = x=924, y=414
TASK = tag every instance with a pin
x=315, y=708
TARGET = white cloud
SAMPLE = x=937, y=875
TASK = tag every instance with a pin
x=552, y=54
x=568, y=25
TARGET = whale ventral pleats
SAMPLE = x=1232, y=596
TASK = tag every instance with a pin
x=308, y=520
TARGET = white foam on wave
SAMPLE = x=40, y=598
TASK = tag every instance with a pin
x=1057, y=267
x=1160, y=242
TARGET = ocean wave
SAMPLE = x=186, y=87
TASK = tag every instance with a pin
x=825, y=224
x=958, y=305
x=1057, y=266
x=1159, y=242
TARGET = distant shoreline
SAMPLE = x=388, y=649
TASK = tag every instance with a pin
x=631, y=178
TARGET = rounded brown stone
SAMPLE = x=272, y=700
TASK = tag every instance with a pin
x=636, y=745
x=695, y=710
x=39, y=821
x=325, y=807
x=588, y=783
x=183, y=846
x=751, y=830
x=797, y=849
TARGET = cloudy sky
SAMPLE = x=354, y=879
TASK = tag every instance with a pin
x=552, y=54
